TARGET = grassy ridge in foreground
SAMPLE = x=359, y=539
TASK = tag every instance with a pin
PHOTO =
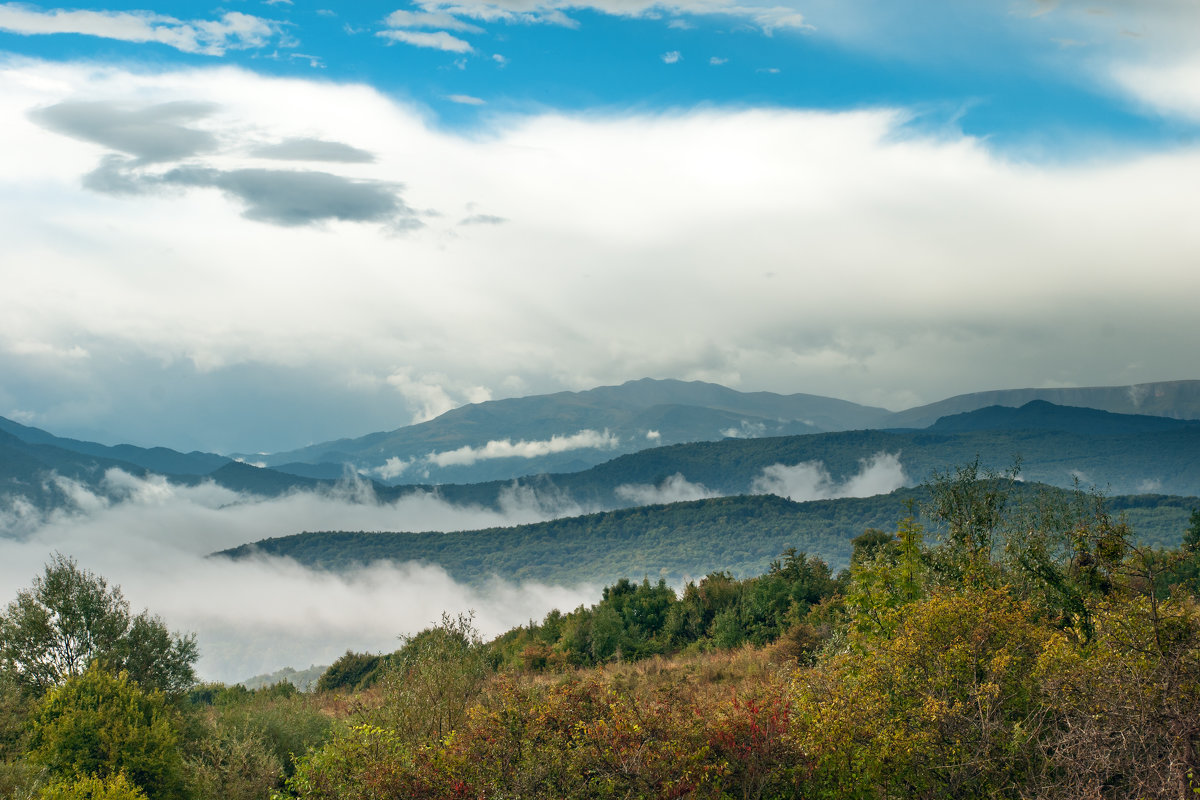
x=739, y=534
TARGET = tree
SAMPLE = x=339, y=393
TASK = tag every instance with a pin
x=434, y=679
x=100, y=724
x=71, y=617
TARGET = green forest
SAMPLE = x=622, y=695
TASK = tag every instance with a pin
x=988, y=642
x=740, y=535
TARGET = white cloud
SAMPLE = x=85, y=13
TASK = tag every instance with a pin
x=810, y=480
x=466, y=100
x=717, y=61
x=438, y=40
x=431, y=395
x=1172, y=88
x=746, y=430
x=393, y=468
x=232, y=31
x=506, y=448
x=674, y=489
x=653, y=436
x=768, y=18
x=671, y=57
x=429, y=19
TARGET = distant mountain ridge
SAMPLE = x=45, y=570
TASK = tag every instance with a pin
x=1117, y=452
x=162, y=460
x=1175, y=399
x=1044, y=415
x=626, y=418
x=646, y=413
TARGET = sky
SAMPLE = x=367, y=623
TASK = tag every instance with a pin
x=254, y=226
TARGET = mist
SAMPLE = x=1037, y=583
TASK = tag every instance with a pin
x=810, y=480
x=152, y=538
x=674, y=489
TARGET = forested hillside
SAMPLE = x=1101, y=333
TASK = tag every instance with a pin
x=740, y=534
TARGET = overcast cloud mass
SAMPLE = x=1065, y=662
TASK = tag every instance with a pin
x=209, y=253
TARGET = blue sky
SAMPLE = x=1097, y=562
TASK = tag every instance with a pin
x=253, y=226
x=1012, y=72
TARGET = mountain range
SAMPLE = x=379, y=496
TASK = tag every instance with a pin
x=653, y=441
x=571, y=431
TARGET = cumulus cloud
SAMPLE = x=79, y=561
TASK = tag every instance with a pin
x=506, y=448
x=307, y=149
x=671, y=57
x=810, y=480
x=674, y=489
x=232, y=31
x=261, y=614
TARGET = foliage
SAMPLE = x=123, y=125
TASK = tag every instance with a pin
x=944, y=705
x=232, y=759
x=70, y=617
x=351, y=672
x=640, y=620
x=115, y=787
x=102, y=724
x=433, y=680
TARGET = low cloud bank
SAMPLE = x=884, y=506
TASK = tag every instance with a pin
x=810, y=480
x=674, y=489
x=258, y=615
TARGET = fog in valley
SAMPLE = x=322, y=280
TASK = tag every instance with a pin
x=153, y=539
x=258, y=615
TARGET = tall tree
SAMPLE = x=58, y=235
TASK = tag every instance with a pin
x=71, y=617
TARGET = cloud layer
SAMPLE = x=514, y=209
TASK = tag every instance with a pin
x=838, y=253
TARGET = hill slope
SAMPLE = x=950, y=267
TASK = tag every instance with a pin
x=741, y=535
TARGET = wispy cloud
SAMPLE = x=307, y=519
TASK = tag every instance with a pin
x=437, y=40
x=671, y=57
x=506, y=448
x=233, y=30
x=466, y=100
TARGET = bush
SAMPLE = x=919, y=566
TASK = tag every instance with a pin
x=100, y=724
